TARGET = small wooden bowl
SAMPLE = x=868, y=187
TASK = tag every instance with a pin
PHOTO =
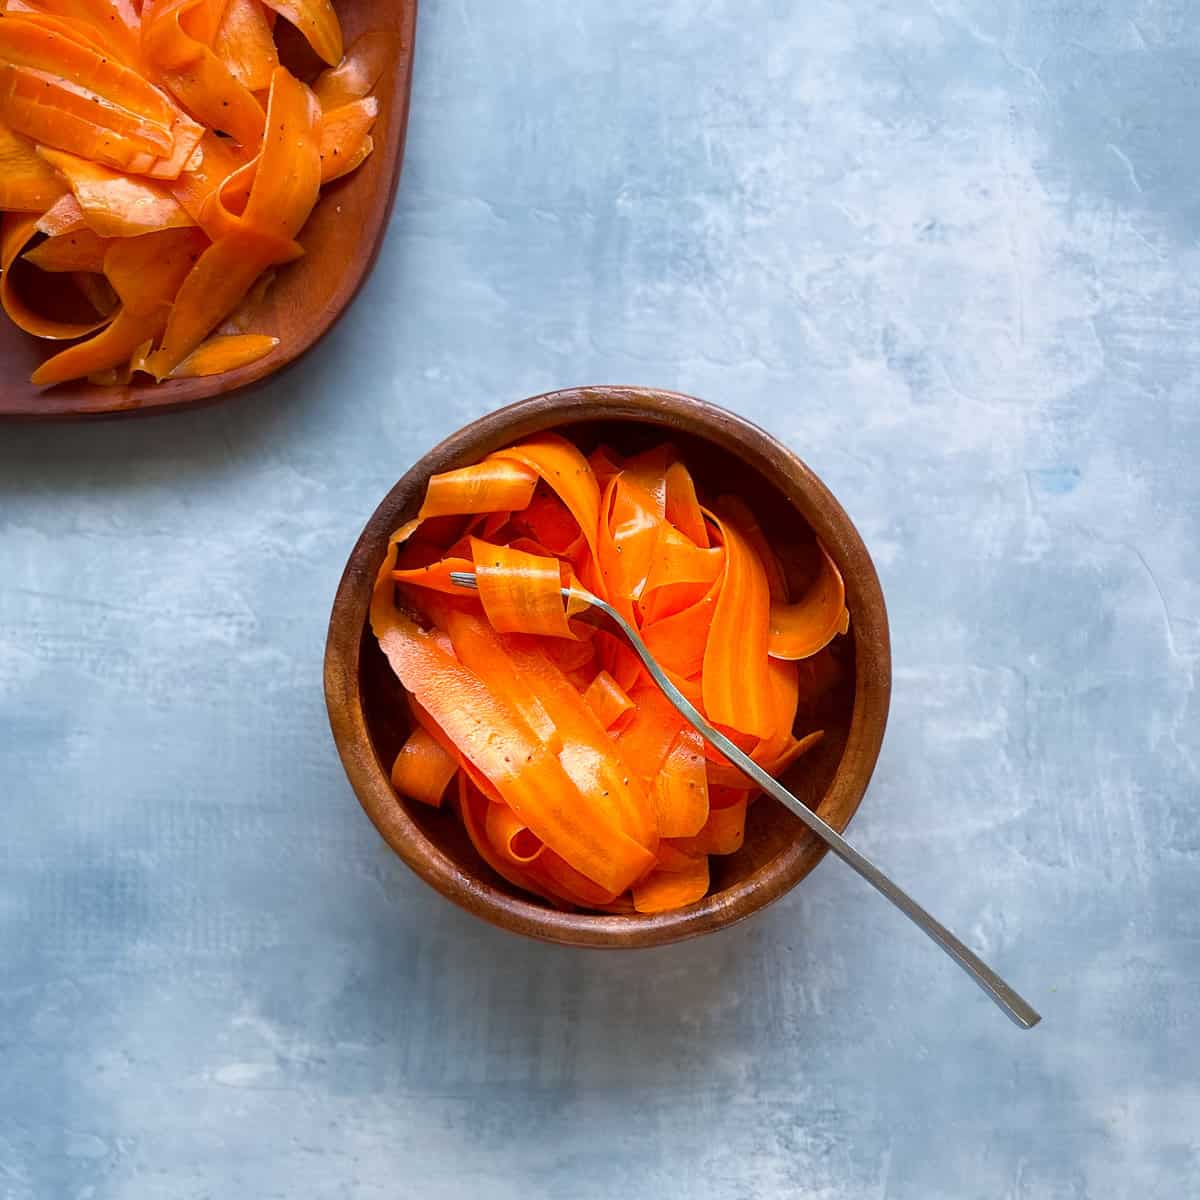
x=727, y=454
x=341, y=240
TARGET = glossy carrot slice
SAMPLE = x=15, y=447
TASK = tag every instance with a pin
x=473, y=807
x=345, y=143
x=63, y=93
x=356, y=75
x=194, y=74
x=63, y=216
x=628, y=535
x=723, y=833
x=801, y=629
x=574, y=887
x=111, y=26
x=116, y=205
x=662, y=891
x=680, y=574
x=608, y=700
x=147, y=271
x=27, y=183
x=497, y=485
x=681, y=787
x=436, y=575
x=567, y=473
x=682, y=508
x=511, y=838
x=110, y=347
x=423, y=770
x=289, y=171
x=489, y=733
x=679, y=641
x=16, y=232
x=732, y=508
x=79, y=251
x=196, y=187
x=243, y=42
x=647, y=737
x=735, y=679
x=520, y=592
x=317, y=21
x=225, y=353
x=222, y=275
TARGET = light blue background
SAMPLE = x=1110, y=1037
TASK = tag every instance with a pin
x=946, y=249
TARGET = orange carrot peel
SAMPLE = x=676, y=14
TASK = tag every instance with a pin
x=578, y=781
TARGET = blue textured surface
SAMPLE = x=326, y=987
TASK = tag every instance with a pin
x=947, y=250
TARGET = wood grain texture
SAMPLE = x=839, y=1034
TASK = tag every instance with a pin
x=728, y=454
x=341, y=240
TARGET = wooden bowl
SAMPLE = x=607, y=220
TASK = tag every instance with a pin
x=341, y=239
x=727, y=454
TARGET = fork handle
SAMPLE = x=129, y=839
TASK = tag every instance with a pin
x=1017, y=1009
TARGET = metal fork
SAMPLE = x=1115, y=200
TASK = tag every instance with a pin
x=1017, y=1009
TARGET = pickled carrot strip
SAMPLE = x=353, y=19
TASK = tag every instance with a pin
x=110, y=347
x=680, y=574
x=436, y=575
x=27, y=184
x=647, y=737
x=63, y=216
x=489, y=733
x=558, y=875
x=681, y=787
x=527, y=676
x=548, y=521
x=146, y=272
x=520, y=592
x=631, y=519
x=79, y=251
x=77, y=84
x=643, y=785
x=735, y=677
x=608, y=699
x=801, y=629
x=662, y=891
x=317, y=21
x=511, y=837
x=195, y=188
x=423, y=770
x=116, y=205
x=723, y=833
x=243, y=42
x=344, y=133
x=567, y=473
x=16, y=232
x=605, y=463
x=223, y=274
x=224, y=353
x=680, y=640
x=497, y=485
x=194, y=74
x=473, y=807
x=362, y=67
x=682, y=508
x=289, y=171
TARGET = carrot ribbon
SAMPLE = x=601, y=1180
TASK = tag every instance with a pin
x=579, y=782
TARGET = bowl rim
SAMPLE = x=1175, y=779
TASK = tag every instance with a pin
x=802, y=489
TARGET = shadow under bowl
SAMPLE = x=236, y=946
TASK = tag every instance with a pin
x=369, y=714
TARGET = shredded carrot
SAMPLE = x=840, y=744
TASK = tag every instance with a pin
x=125, y=119
x=578, y=781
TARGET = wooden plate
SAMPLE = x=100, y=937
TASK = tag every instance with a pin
x=368, y=713
x=341, y=239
